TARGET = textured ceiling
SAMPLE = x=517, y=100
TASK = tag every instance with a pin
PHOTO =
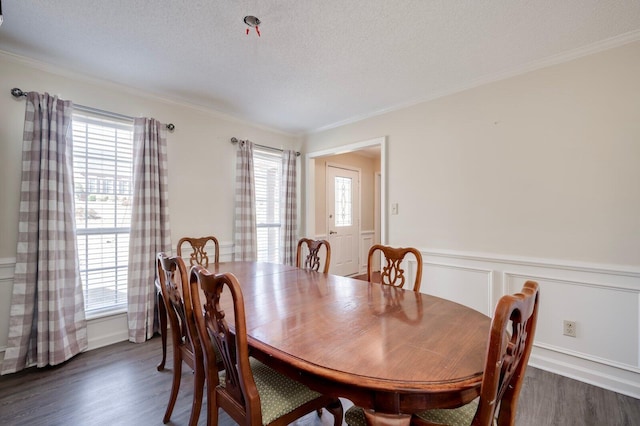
x=318, y=63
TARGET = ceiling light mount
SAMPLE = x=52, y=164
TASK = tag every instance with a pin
x=252, y=22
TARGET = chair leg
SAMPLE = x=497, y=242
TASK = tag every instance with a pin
x=162, y=313
x=175, y=385
x=198, y=387
x=212, y=406
x=335, y=408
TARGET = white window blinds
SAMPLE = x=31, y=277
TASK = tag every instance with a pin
x=268, y=180
x=103, y=184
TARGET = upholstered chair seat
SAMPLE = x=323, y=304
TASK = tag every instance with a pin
x=279, y=395
x=461, y=416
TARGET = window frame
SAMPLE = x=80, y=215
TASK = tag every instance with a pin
x=273, y=215
x=111, y=185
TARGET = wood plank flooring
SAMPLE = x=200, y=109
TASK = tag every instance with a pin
x=119, y=385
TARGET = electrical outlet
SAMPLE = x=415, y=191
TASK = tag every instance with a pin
x=569, y=328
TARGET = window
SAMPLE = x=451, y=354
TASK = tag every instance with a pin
x=267, y=168
x=343, y=207
x=102, y=169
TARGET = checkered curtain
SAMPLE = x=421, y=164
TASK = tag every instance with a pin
x=245, y=214
x=47, y=322
x=289, y=210
x=149, y=224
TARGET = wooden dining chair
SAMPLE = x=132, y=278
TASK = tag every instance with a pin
x=312, y=260
x=391, y=272
x=513, y=328
x=251, y=392
x=186, y=345
x=198, y=256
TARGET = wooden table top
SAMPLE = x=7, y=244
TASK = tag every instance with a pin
x=384, y=348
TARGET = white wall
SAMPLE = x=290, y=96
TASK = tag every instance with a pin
x=201, y=164
x=544, y=164
x=532, y=177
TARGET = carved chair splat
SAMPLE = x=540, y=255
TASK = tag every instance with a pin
x=391, y=272
x=312, y=260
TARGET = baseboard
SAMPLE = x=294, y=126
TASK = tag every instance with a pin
x=600, y=375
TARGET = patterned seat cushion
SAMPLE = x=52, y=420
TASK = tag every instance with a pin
x=279, y=394
x=355, y=416
x=453, y=417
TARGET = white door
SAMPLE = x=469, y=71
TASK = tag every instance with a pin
x=343, y=219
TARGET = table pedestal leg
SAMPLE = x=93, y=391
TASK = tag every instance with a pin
x=383, y=419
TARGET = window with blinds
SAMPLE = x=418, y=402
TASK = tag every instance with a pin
x=103, y=184
x=267, y=167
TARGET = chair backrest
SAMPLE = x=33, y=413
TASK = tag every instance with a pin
x=510, y=341
x=391, y=272
x=199, y=256
x=312, y=260
x=239, y=397
x=177, y=300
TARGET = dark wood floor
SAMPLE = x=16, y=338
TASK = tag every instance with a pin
x=119, y=385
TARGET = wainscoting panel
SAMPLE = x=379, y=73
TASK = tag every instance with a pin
x=467, y=286
x=602, y=332
x=366, y=241
x=603, y=301
x=7, y=267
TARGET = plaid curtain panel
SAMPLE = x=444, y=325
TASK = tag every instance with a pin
x=150, y=230
x=47, y=321
x=289, y=210
x=245, y=212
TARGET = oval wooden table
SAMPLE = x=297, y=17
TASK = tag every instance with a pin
x=391, y=350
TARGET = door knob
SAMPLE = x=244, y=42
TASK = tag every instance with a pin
x=332, y=232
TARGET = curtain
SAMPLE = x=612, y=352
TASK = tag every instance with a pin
x=245, y=210
x=47, y=321
x=289, y=209
x=150, y=232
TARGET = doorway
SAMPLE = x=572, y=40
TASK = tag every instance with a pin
x=315, y=211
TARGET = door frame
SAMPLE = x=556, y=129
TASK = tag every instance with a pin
x=310, y=179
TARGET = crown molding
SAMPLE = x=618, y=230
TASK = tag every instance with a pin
x=67, y=73
x=570, y=55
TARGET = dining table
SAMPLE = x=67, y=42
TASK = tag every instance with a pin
x=390, y=350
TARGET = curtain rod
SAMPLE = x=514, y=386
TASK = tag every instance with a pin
x=235, y=140
x=17, y=93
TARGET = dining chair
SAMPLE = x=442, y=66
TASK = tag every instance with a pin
x=510, y=342
x=251, y=392
x=198, y=256
x=176, y=296
x=312, y=260
x=391, y=272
